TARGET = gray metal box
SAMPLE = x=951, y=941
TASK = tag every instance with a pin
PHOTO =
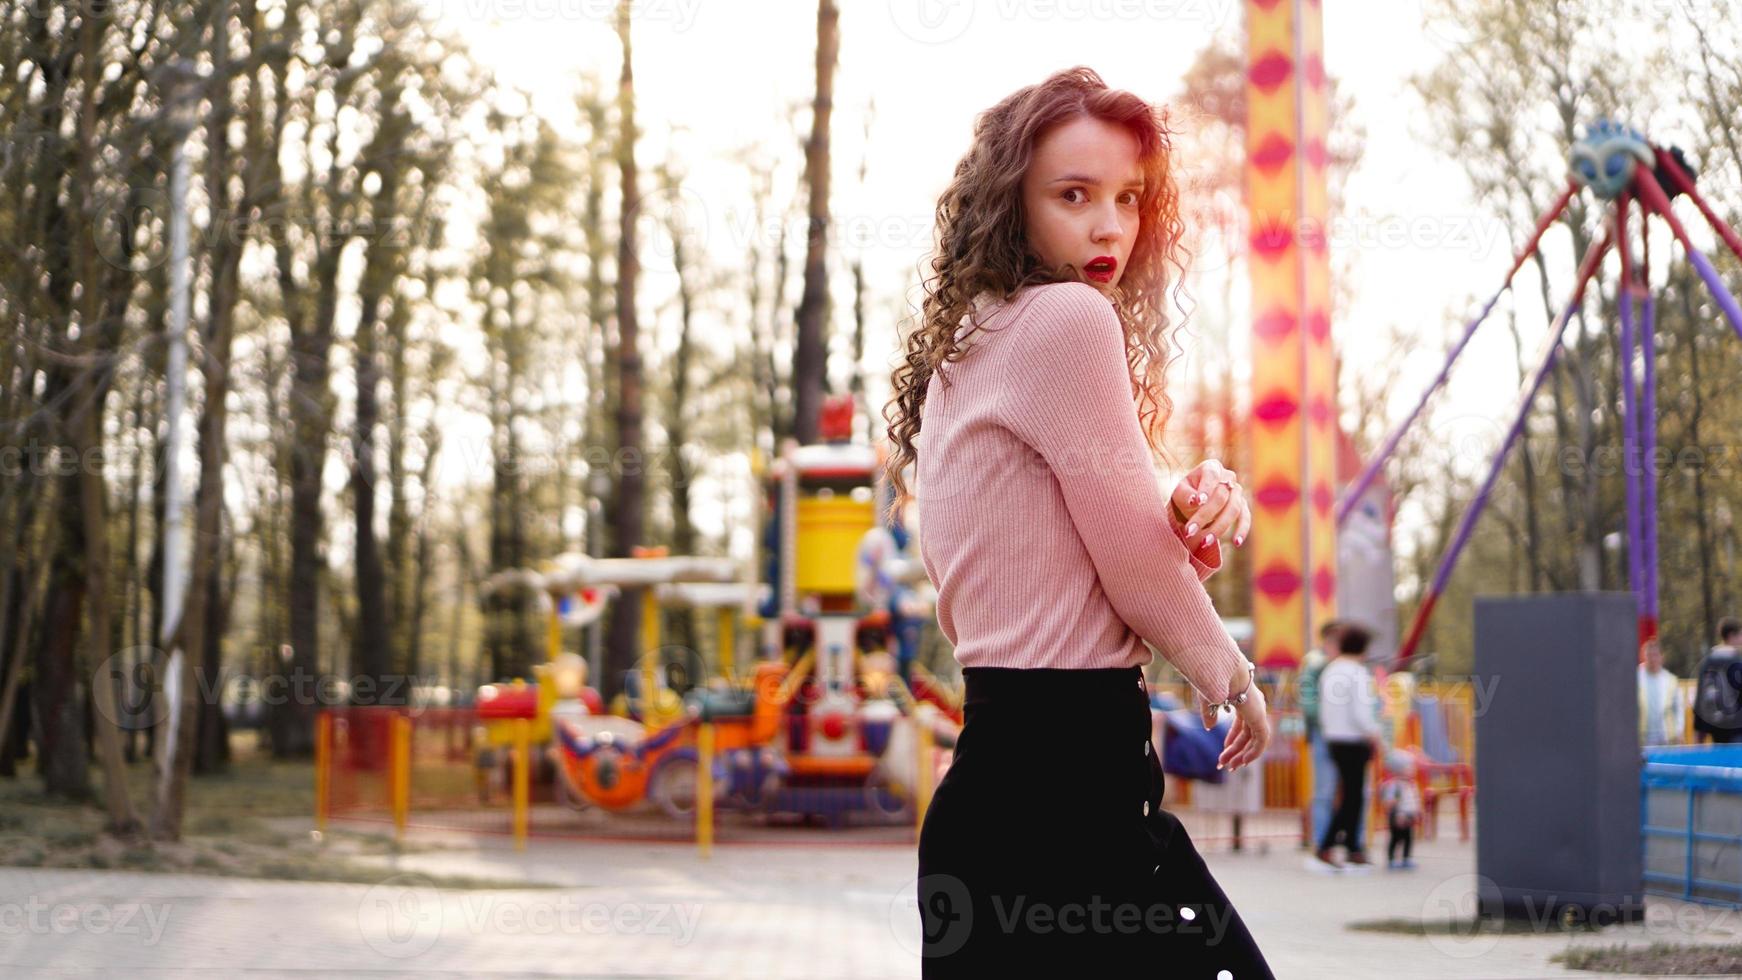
x=1557, y=757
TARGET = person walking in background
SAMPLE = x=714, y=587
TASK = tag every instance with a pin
x=1401, y=798
x=1661, y=716
x=1718, y=694
x=1324, y=772
x=1349, y=719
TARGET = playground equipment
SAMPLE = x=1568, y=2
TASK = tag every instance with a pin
x=611, y=759
x=808, y=730
x=565, y=605
x=805, y=728
x=1617, y=165
x=638, y=754
x=1436, y=730
x=842, y=588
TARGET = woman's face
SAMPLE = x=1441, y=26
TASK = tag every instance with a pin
x=1080, y=198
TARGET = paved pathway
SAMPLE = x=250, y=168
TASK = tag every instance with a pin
x=753, y=911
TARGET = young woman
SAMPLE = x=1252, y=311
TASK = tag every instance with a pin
x=1037, y=372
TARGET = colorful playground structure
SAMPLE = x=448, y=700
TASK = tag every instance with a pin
x=807, y=728
x=831, y=721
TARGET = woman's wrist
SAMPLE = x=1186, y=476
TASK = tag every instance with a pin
x=1242, y=686
x=1241, y=678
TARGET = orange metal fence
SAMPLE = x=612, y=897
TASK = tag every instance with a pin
x=441, y=770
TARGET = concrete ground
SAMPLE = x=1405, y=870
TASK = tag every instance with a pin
x=656, y=910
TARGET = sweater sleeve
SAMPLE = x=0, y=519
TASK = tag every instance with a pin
x=1066, y=392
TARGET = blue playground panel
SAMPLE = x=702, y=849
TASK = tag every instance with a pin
x=1691, y=819
x=1435, y=742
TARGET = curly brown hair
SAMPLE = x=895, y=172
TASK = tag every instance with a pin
x=981, y=246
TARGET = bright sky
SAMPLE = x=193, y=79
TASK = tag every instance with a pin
x=725, y=74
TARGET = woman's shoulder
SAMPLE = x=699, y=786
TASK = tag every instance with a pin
x=1067, y=300
x=1069, y=313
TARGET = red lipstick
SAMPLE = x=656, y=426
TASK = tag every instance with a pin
x=1101, y=268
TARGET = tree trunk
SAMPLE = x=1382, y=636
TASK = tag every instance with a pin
x=403, y=580
x=683, y=538
x=56, y=686
x=134, y=589
x=189, y=636
x=212, y=730
x=779, y=414
x=210, y=743
x=856, y=380
x=373, y=655
x=56, y=692
x=623, y=642
x=311, y=341
x=810, y=366
x=370, y=655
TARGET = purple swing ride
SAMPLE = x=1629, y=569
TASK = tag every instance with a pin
x=1618, y=165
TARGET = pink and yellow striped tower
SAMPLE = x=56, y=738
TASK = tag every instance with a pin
x=1291, y=476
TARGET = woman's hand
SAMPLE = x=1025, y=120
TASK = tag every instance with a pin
x=1210, y=502
x=1249, y=736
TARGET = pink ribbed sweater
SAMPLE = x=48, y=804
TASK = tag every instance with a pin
x=1042, y=523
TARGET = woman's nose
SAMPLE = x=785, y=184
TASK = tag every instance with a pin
x=1108, y=230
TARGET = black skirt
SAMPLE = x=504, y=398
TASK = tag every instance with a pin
x=1045, y=848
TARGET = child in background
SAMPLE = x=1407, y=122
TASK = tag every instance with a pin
x=1402, y=801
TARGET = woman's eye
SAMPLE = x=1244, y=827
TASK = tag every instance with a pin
x=1070, y=191
x=1133, y=198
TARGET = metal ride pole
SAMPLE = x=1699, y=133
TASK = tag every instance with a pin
x=1346, y=503
x=1652, y=196
x=1545, y=361
x=1685, y=184
x=1648, y=422
x=1630, y=416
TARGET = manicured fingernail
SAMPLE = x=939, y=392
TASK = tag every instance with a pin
x=1207, y=539
x=1197, y=498
x=1191, y=529
x=1239, y=540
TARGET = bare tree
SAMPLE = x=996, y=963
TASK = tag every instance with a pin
x=628, y=504
x=810, y=365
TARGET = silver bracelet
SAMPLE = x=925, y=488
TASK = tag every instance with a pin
x=1245, y=692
